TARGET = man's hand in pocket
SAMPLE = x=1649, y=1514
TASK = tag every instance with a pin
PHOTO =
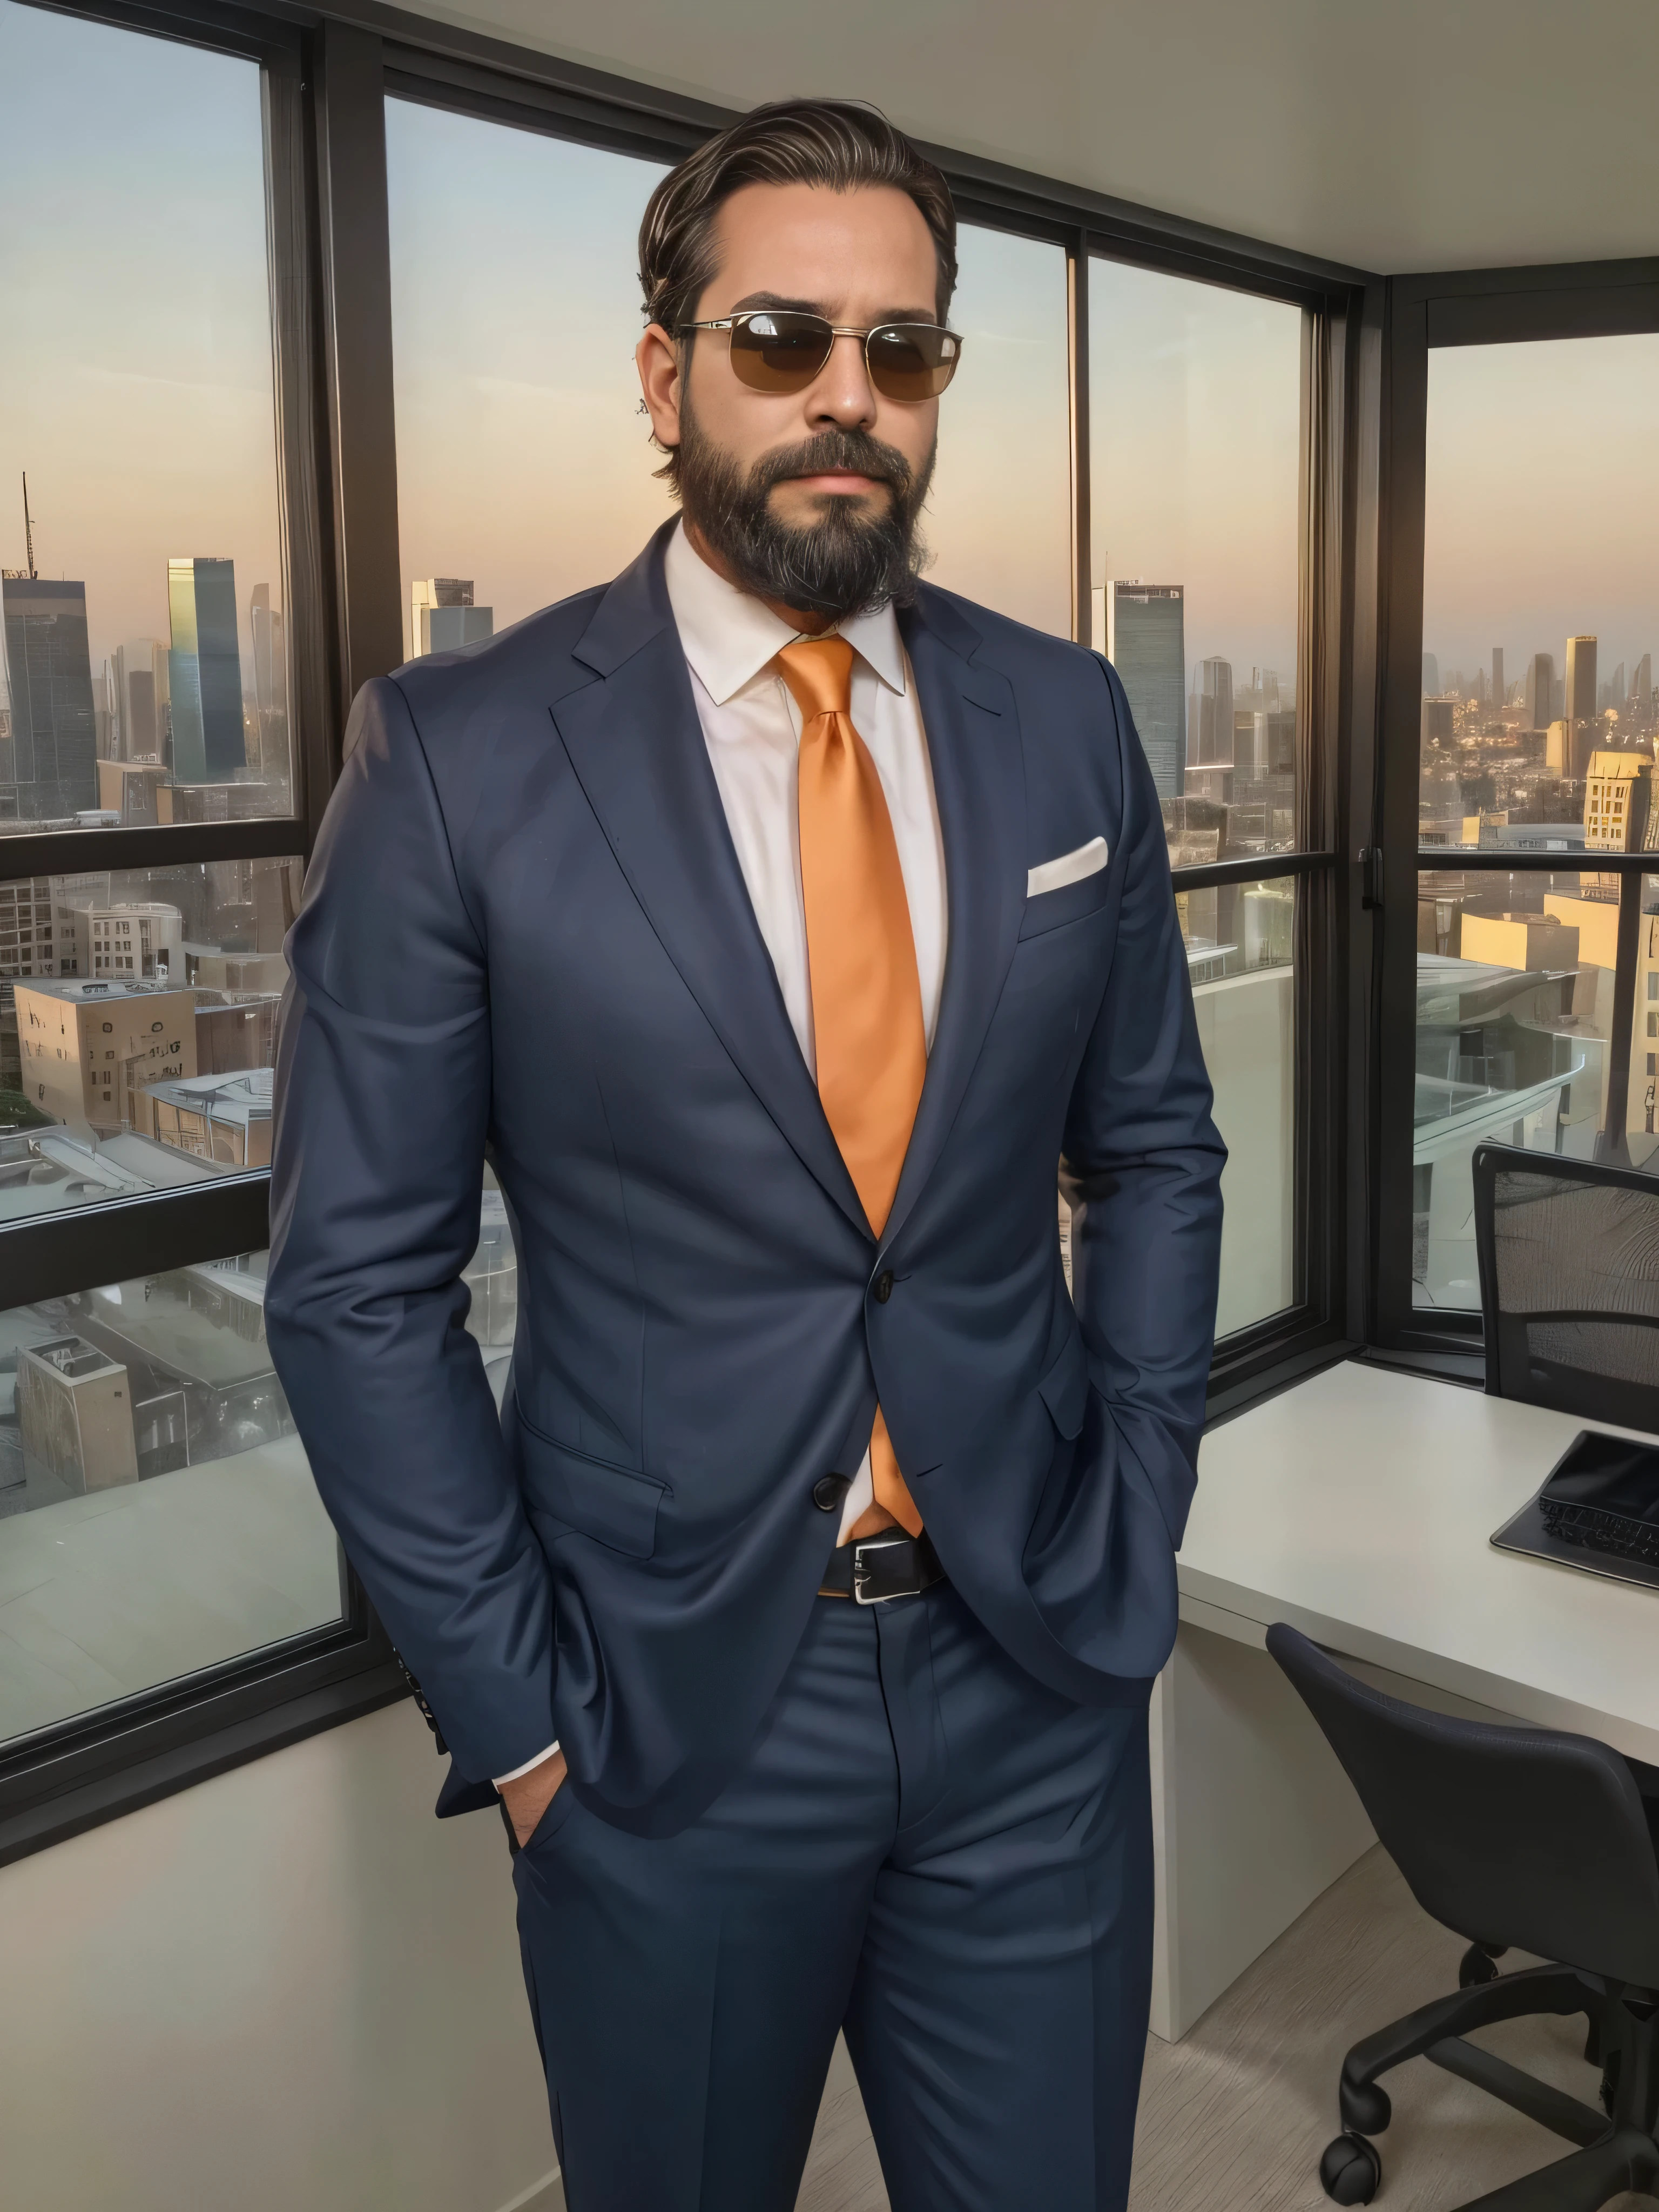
x=528, y=1797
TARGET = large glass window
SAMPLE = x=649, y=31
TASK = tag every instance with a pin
x=1519, y=1041
x=137, y=1027
x=1195, y=410
x=157, y=1515
x=1244, y=998
x=999, y=519
x=524, y=466
x=145, y=657
x=1539, y=591
x=1240, y=953
x=1194, y=424
x=1537, y=734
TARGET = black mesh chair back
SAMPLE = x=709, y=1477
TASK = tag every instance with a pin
x=1569, y=1253
x=1514, y=1837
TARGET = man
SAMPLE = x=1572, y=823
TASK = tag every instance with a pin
x=772, y=924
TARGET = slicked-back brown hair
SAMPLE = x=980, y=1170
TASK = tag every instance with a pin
x=834, y=143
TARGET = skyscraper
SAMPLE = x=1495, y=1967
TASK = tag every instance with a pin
x=1642, y=682
x=1431, y=675
x=1210, y=732
x=205, y=672
x=1538, y=696
x=54, y=753
x=265, y=630
x=1147, y=647
x=1497, y=679
x=1581, y=708
x=443, y=616
x=138, y=677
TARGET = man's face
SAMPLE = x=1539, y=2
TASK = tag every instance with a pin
x=806, y=496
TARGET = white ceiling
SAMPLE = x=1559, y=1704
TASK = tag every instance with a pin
x=1392, y=135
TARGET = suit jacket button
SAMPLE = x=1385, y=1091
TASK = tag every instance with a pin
x=883, y=1286
x=829, y=1491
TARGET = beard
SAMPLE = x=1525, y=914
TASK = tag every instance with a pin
x=848, y=560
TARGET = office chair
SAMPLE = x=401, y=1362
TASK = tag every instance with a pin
x=1514, y=1838
x=1569, y=1253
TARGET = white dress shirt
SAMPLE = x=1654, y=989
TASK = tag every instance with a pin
x=751, y=727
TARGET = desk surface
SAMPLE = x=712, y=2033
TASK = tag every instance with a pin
x=1358, y=1506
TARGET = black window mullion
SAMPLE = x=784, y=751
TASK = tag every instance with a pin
x=1077, y=355
x=356, y=331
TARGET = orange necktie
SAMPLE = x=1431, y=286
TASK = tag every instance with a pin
x=867, y=998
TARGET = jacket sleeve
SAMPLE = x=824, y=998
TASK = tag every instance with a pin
x=1142, y=1171
x=382, y=1107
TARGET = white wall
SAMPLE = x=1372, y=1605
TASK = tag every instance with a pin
x=286, y=1990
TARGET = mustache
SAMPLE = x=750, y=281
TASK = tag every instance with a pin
x=853, y=450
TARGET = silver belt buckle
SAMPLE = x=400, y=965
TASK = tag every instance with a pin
x=862, y=1573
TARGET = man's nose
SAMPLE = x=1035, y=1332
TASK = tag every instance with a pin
x=843, y=392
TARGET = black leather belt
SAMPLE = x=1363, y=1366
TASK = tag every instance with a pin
x=891, y=1565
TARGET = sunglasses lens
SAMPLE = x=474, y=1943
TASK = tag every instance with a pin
x=776, y=352
x=912, y=360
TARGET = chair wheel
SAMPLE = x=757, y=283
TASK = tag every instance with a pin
x=1475, y=1967
x=1365, y=2107
x=1351, y=2170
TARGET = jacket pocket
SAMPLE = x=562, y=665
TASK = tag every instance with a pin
x=1047, y=910
x=1065, y=1389
x=616, y=1505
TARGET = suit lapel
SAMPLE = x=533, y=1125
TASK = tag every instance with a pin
x=973, y=745
x=636, y=744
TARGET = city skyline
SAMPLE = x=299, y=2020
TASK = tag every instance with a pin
x=137, y=355
x=1535, y=528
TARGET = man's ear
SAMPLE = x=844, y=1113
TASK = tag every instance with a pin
x=657, y=359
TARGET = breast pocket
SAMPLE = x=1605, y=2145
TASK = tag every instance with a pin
x=1046, y=910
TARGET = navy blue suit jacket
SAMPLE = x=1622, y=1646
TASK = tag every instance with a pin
x=527, y=938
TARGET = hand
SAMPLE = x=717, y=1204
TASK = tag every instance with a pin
x=528, y=1797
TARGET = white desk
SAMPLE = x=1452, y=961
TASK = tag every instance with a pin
x=1358, y=1507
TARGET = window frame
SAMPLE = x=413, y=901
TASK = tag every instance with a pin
x=1462, y=308
x=326, y=79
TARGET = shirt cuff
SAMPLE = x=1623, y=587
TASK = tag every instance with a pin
x=525, y=1769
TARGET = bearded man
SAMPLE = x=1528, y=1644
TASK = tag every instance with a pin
x=773, y=924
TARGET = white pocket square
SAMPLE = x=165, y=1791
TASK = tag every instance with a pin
x=1070, y=868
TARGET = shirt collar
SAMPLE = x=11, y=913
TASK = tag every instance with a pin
x=729, y=635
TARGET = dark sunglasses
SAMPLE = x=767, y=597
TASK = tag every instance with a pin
x=776, y=350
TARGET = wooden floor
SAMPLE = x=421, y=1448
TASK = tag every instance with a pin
x=1235, y=2116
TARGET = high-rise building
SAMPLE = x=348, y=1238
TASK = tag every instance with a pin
x=1210, y=729
x=1497, y=679
x=1612, y=693
x=266, y=631
x=1618, y=793
x=138, y=682
x=53, y=769
x=443, y=616
x=1147, y=646
x=1439, y=726
x=1642, y=682
x=205, y=672
x=1580, y=709
x=1539, y=696
x=1431, y=675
